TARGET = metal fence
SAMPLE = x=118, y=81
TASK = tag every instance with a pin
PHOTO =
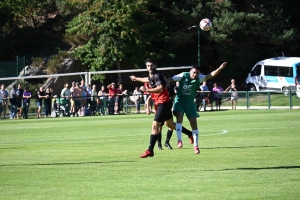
x=60, y=107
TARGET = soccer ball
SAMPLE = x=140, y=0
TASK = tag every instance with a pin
x=205, y=24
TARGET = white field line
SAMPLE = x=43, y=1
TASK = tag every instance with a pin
x=101, y=138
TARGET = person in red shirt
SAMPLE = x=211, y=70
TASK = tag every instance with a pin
x=160, y=95
x=112, y=98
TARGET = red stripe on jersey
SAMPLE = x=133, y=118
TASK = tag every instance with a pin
x=162, y=97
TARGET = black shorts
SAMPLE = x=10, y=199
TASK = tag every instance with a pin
x=163, y=112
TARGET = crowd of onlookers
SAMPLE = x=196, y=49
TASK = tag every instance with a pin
x=80, y=99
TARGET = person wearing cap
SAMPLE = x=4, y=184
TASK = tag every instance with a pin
x=26, y=101
x=234, y=94
x=112, y=98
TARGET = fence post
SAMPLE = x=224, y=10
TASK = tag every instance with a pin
x=247, y=100
x=291, y=100
x=17, y=60
x=269, y=100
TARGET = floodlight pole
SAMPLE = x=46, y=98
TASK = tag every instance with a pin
x=198, y=28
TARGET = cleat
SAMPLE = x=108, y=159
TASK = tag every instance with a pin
x=179, y=144
x=160, y=147
x=168, y=146
x=191, y=139
x=196, y=150
x=146, y=154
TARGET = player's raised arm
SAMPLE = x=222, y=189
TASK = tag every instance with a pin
x=139, y=79
x=215, y=72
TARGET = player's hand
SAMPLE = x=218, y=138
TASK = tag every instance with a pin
x=223, y=65
x=133, y=78
x=148, y=111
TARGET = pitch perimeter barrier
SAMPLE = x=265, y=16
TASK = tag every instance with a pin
x=246, y=100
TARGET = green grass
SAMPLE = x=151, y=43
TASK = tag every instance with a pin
x=245, y=154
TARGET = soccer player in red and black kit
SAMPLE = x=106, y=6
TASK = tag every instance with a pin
x=160, y=95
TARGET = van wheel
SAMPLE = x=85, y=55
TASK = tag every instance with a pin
x=286, y=91
x=251, y=87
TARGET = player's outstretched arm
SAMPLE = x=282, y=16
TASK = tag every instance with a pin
x=143, y=80
x=216, y=72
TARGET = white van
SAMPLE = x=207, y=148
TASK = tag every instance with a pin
x=274, y=74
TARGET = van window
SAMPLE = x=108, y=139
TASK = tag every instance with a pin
x=286, y=71
x=271, y=70
x=256, y=71
x=278, y=71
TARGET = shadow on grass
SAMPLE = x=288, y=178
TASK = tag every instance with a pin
x=258, y=168
x=245, y=147
x=60, y=164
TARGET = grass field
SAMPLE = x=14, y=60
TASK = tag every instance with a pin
x=245, y=154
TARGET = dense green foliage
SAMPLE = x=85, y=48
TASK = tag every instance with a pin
x=122, y=33
x=244, y=155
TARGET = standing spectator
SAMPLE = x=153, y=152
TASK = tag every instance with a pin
x=88, y=95
x=13, y=102
x=102, y=101
x=47, y=102
x=19, y=101
x=93, y=104
x=137, y=95
x=0, y=105
x=204, y=95
x=112, y=98
x=65, y=98
x=217, y=95
x=77, y=99
x=26, y=101
x=39, y=101
x=121, y=94
x=83, y=97
x=4, y=95
x=145, y=96
x=72, y=102
x=234, y=94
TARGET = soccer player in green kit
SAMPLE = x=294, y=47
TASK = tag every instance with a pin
x=189, y=82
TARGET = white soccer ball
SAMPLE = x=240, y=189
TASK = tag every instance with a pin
x=205, y=24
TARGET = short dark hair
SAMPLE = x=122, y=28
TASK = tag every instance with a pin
x=196, y=67
x=151, y=60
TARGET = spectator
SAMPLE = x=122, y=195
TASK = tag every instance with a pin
x=65, y=98
x=217, y=96
x=137, y=94
x=84, y=94
x=204, y=95
x=102, y=101
x=26, y=101
x=4, y=95
x=121, y=94
x=145, y=96
x=234, y=94
x=39, y=101
x=77, y=99
x=93, y=104
x=72, y=102
x=0, y=105
x=112, y=99
x=88, y=95
x=13, y=102
x=19, y=101
x=47, y=102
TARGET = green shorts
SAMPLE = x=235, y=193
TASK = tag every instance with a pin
x=186, y=108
